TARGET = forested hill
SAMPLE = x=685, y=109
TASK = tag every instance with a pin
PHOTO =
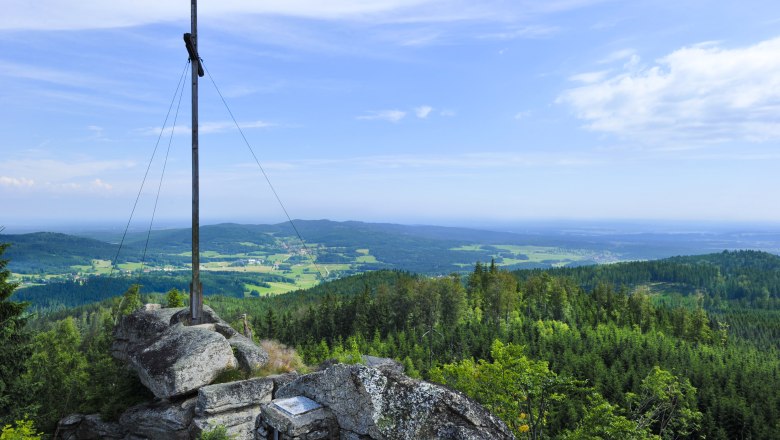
x=749, y=277
x=51, y=252
x=365, y=246
x=541, y=352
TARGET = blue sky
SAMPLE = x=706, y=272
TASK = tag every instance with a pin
x=412, y=111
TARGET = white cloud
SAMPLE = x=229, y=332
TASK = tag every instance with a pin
x=479, y=160
x=93, y=14
x=384, y=115
x=532, y=31
x=102, y=14
x=56, y=170
x=462, y=161
x=218, y=127
x=100, y=185
x=53, y=76
x=55, y=186
x=208, y=127
x=155, y=131
x=698, y=94
x=447, y=113
x=16, y=182
x=522, y=115
x=423, y=111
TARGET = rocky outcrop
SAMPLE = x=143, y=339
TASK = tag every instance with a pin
x=174, y=359
x=370, y=403
x=91, y=427
x=385, y=364
x=178, y=362
x=233, y=405
x=183, y=316
x=182, y=360
x=160, y=420
x=311, y=421
x=135, y=331
x=249, y=355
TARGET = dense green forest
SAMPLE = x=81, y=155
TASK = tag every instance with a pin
x=70, y=293
x=750, y=278
x=575, y=353
x=49, y=252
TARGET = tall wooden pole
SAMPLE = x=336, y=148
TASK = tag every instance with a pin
x=196, y=288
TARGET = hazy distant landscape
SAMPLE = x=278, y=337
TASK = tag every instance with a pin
x=255, y=260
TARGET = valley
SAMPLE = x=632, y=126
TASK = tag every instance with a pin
x=258, y=260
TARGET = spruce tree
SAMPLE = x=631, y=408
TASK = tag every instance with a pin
x=14, y=346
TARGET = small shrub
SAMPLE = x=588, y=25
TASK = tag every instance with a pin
x=219, y=432
x=24, y=430
x=281, y=359
x=230, y=375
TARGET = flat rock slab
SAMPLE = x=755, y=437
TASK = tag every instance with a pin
x=376, y=404
x=182, y=360
x=160, y=420
x=234, y=405
x=90, y=427
x=224, y=397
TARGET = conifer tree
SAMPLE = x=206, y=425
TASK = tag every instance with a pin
x=131, y=300
x=14, y=345
x=174, y=298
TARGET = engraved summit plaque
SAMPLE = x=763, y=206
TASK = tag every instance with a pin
x=296, y=405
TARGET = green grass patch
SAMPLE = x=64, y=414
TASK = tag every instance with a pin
x=540, y=254
x=130, y=266
x=278, y=258
x=81, y=268
x=274, y=289
x=469, y=247
x=366, y=259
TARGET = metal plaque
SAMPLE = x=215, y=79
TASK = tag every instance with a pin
x=296, y=405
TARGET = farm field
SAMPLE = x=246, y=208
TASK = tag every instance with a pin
x=258, y=260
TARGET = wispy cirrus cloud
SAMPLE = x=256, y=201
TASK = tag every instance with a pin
x=423, y=111
x=218, y=127
x=53, y=75
x=17, y=182
x=480, y=160
x=529, y=31
x=58, y=176
x=46, y=169
x=488, y=160
x=383, y=115
x=99, y=14
x=208, y=127
x=695, y=95
x=395, y=115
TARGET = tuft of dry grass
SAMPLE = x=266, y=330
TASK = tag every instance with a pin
x=281, y=359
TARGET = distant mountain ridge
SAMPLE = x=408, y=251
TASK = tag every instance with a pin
x=421, y=248
x=52, y=251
